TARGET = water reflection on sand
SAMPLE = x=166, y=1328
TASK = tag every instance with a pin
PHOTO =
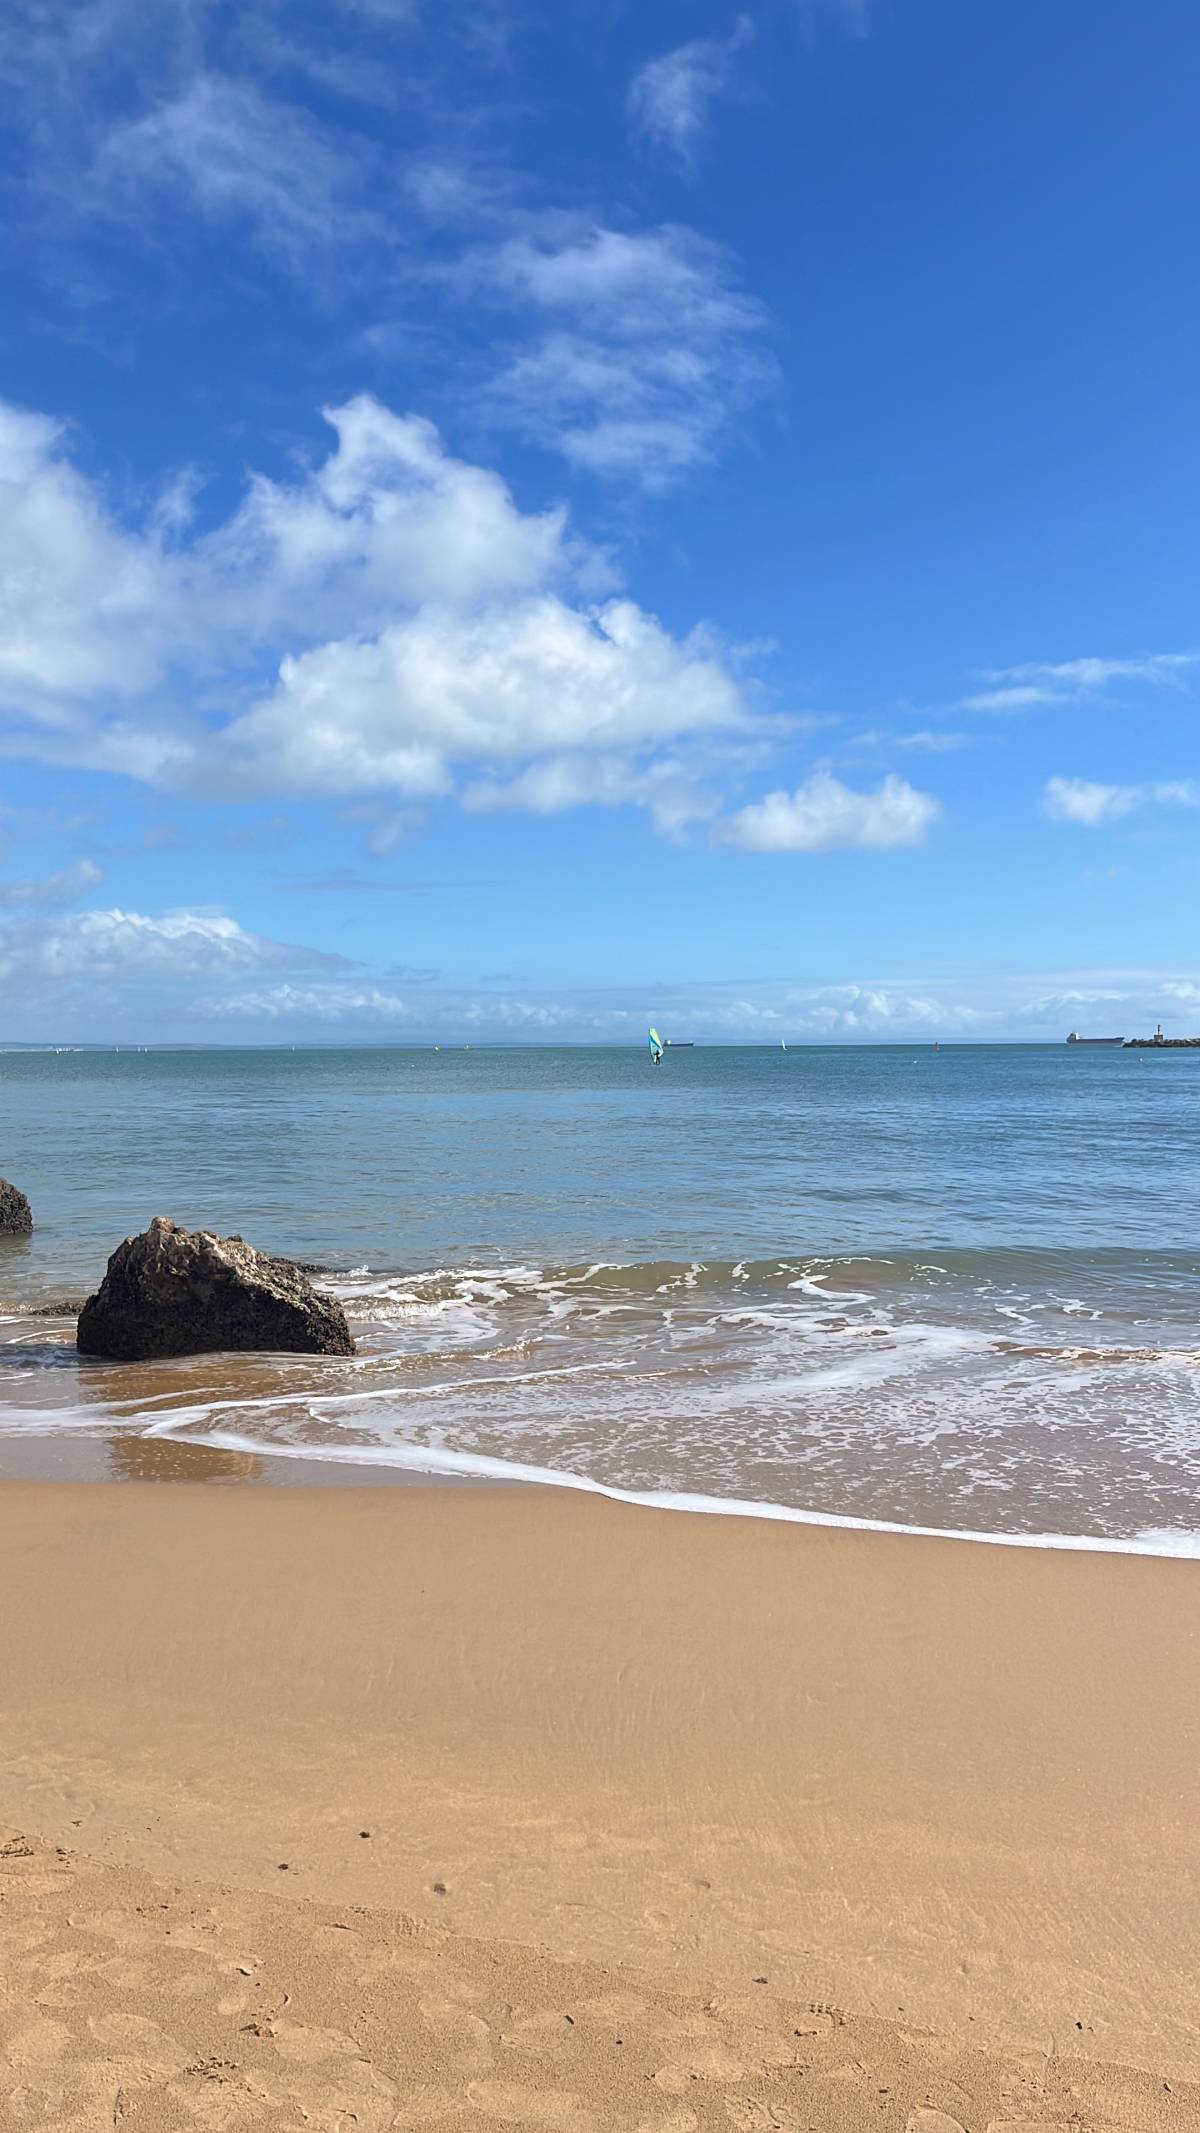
x=134, y=1458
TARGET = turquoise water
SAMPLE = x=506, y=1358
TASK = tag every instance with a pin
x=957, y=1289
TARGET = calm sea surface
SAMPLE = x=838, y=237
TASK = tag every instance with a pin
x=954, y=1289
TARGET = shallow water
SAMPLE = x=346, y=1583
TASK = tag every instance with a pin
x=953, y=1289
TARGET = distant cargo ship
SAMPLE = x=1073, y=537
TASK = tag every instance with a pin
x=1075, y=1038
x=680, y=1044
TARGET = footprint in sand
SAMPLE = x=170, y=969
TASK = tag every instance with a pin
x=617, y=2010
x=708, y=2062
x=558, y=2109
x=304, y=2044
x=552, y=2037
x=326, y=2076
x=465, y=2038
x=421, y=2106
x=1033, y=2125
x=41, y=1884
x=768, y=2034
x=750, y=2115
x=36, y=2046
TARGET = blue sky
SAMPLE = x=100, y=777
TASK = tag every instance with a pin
x=516, y=519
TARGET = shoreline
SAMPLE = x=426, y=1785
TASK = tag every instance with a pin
x=949, y=1787
x=224, y=1456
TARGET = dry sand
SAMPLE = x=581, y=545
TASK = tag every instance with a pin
x=830, y=1830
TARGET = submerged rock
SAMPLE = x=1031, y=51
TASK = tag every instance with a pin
x=16, y=1215
x=175, y=1291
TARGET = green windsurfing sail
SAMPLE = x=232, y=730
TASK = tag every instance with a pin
x=656, y=1047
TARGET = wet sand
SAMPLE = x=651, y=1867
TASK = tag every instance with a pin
x=829, y=1828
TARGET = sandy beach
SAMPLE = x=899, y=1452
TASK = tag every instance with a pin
x=386, y=1807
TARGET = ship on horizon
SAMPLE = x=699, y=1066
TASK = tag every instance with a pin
x=1075, y=1038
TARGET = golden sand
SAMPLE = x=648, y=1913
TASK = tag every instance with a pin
x=831, y=1830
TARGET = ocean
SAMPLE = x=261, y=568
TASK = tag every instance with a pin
x=955, y=1290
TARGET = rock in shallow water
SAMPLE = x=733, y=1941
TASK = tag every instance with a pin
x=175, y=1291
x=16, y=1216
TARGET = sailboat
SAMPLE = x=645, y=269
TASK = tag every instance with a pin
x=656, y=1048
x=783, y=1044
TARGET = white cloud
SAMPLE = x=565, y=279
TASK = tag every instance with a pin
x=116, y=943
x=647, y=349
x=1077, y=680
x=932, y=742
x=390, y=520
x=894, y=1009
x=128, y=976
x=235, y=152
x=672, y=790
x=671, y=97
x=65, y=887
x=382, y=624
x=386, y=626
x=79, y=600
x=823, y=815
x=1081, y=800
x=402, y=708
x=123, y=973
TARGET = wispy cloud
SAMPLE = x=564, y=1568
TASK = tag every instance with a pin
x=1081, y=800
x=65, y=887
x=647, y=351
x=671, y=97
x=631, y=352
x=932, y=741
x=852, y=15
x=823, y=815
x=675, y=791
x=235, y=153
x=877, y=740
x=1073, y=681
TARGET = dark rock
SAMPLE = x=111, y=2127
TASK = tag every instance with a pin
x=174, y=1291
x=16, y=1216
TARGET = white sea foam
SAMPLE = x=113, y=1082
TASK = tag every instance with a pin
x=445, y=1461
x=757, y=1387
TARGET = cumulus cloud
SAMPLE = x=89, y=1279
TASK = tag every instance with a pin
x=823, y=815
x=386, y=626
x=118, y=944
x=646, y=349
x=671, y=97
x=424, y=621
x=1081, y=800
x=402, y=708
x=1074, y=681
x=78, y=597
x=129, y=973
x=130, y=976
x=871, y=1008
x=389, y=520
